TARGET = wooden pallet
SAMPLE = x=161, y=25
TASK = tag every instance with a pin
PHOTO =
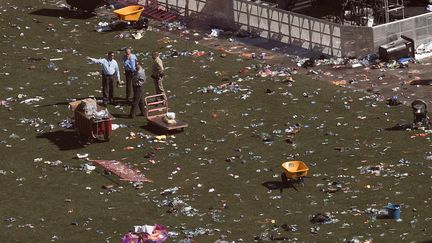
x=153, y=10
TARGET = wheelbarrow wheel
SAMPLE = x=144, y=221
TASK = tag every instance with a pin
x=82, y=139
x=284, y=178
x=301, y=181
x=106, y=137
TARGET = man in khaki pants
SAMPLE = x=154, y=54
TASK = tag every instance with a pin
x=157, y=73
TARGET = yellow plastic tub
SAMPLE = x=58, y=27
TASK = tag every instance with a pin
x=295, y=170
x=129, y=13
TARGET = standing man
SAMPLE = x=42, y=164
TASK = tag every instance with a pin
x=129, y=62
x=138, y=81
x=110, y=72
x=157, y=73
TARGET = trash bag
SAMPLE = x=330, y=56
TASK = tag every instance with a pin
x=88, y=5
x=119, y=25
x=320, y=219
x=88, y=106
x=308, y=63
x=142, y=23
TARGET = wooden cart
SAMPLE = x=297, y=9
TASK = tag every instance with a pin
x=89, y=128
x=156, y=109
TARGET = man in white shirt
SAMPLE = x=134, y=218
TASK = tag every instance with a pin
x=110, y=72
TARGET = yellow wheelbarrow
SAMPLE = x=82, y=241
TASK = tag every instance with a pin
x=129, y=13
x=294, y=171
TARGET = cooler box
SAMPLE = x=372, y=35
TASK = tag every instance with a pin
x=397, y=49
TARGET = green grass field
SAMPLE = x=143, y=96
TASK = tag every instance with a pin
x=50, y=203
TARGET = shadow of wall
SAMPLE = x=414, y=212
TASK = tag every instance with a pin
x=218, y=13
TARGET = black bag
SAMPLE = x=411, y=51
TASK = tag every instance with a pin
x=142, y=23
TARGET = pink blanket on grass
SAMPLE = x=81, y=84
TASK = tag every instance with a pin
x=122, y=170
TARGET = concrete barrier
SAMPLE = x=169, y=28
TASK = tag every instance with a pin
x=304, y=31
x=418, y=28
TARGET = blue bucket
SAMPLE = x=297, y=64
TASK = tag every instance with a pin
x=393, y=211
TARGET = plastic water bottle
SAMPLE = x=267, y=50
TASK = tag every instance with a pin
x=413, y=223
x=52, y=66
x=103, y=28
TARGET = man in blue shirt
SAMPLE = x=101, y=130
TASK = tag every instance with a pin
x=129, y=62
x=110, y=72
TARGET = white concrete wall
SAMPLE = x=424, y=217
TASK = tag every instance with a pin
x=273, y=23
x=418, y=28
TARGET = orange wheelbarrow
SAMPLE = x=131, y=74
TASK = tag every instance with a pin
x=294, y=171
x=129, y=13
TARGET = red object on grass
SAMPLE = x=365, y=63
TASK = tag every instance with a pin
x=154, y=10
x=122, y=170
x=91, y=129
